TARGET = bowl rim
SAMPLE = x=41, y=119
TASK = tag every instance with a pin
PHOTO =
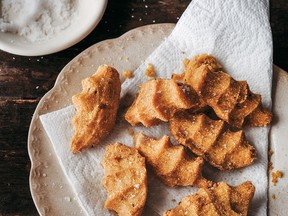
x=39, y=48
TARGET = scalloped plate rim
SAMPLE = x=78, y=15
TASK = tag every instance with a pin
x=278, y=72
x=58, y=83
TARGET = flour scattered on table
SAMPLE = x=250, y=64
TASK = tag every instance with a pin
x=37, y=20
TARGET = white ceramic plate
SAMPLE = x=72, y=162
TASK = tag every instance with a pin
x=90, y=13
x=50, y=190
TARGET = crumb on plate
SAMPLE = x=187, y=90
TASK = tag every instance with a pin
x=276, y=175
x=128, y=74
x=270, y=153
x=186, y=62
x=270, y=166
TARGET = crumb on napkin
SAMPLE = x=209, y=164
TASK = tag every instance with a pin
x=150, y=71
x=128, y=74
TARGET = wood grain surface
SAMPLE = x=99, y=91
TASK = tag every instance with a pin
x=24, y=80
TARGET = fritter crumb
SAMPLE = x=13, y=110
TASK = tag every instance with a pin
x=270, y=166
x=128, y=74
x=276, y=175
x=186, y=62
x=178, y=77
x=130, y=131
x=150, y=71
x=270, y=153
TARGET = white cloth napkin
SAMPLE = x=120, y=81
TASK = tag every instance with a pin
x=237, y=32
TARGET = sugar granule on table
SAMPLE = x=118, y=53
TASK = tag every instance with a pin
x=37, y=20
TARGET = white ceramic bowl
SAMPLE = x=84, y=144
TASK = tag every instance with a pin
x=90, y=13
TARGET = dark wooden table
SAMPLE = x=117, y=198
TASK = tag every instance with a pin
x=24, y=80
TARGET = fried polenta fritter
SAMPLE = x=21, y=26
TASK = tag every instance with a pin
x=97, y=107
x=159, y=99
x=125, y=180
x=219, y=200
x=231, y=100
x=212, y=140
x=171, y=163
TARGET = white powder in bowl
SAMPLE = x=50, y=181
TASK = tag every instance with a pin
x=37, y=20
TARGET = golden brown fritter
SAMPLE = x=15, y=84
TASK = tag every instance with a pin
x=171, y=163
x=231, y=100
x=125, y=180
x=97, y=107
x=212, y=140
x=219, y=200
x=158, y=100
